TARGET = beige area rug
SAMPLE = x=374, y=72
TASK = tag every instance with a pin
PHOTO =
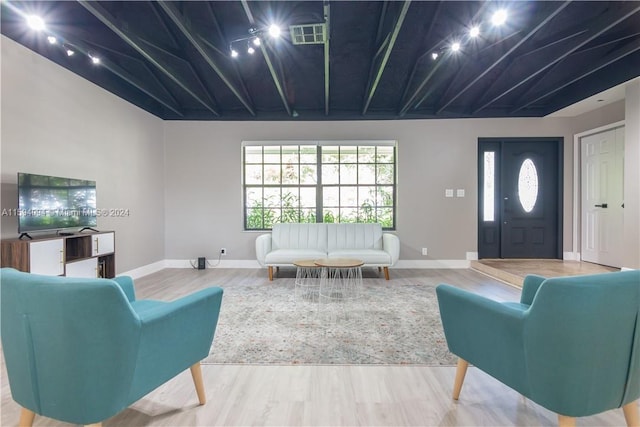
x=388, y=325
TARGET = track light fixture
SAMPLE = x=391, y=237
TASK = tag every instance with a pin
x=35, y=22
x=69, y=50
x=499, y=17
x=253, y=40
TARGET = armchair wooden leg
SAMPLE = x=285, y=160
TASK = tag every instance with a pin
x=26, y=418
x=196, y=373
x=386, y=273
x=460, y=373
x=564, y=421
x=632, y=414
x=270, y=274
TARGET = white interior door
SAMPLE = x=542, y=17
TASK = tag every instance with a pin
x=602, y=182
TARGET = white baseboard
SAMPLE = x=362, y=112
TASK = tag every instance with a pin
x=571, y=256
x=145, y=270
x=472, y=256
x=224, y=263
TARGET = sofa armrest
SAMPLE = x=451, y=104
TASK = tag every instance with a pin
x=263, y=247
x=391, y=245
x=530, y=287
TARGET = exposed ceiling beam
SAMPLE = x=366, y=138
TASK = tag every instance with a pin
x=603, y=62
x=221, y=35
x=513, y=48
x=427, y=36
x=267, y=58
x=134, y=41
x=438, y=63
x=187, y=31
x=461, y=68
x=600, y=26
x=535, y=88
x=376, y=75
x=425, y=80
x=141, y=85
x=327, y=24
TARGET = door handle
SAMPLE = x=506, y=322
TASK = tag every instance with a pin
x=604, y=205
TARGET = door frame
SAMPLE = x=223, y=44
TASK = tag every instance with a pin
x=576, y=244
x=559, y=142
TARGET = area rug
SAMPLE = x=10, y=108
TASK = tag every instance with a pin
x=389, y=324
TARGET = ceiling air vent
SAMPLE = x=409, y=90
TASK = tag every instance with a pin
x=308, y=33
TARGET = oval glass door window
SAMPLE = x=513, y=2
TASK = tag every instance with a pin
x=528, y=185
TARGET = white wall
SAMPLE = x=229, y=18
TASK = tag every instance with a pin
x=57, y=123
x=204, y=194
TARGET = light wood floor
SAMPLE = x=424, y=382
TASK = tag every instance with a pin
x=261, y=395
x=513, y=271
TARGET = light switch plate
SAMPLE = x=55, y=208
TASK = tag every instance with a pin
x=460, y=192
x=448, y=192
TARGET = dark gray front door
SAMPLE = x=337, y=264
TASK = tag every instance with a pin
x=526, y=196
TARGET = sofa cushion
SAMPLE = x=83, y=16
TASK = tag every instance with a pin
x=288, y=256
x=299, y=236
x=354, y=236
x=368, y=256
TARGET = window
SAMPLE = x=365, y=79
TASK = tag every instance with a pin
x=528, y=185
x=319, y=182
x=488, y=211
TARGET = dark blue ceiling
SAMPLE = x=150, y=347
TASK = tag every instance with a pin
x=173, y=58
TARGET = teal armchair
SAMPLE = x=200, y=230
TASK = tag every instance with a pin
x=572, y=344
x=82, y=350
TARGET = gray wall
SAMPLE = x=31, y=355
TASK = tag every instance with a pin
x=204, y=194
x=632, y=176
x=56, y=123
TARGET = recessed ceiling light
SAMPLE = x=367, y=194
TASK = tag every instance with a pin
x=256, y=41
x=499, y=17
x=250, y=50
x=455, y=46
x=70, y=52
x=35, y=22
x=94, y=59
x=234, y=53
x=52, y=40
x=274, y=31
x=474, y=31
x=434, y=55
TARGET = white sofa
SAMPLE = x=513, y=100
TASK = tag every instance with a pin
x=290, y=242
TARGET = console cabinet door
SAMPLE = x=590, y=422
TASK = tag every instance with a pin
x=87, y=268
x=47, y=257
x=103, y=244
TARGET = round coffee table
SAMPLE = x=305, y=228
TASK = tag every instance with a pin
x=340, y=279
x=307, y=281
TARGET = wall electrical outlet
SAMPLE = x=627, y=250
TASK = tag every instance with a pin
x=223, y=251
x=425, y=252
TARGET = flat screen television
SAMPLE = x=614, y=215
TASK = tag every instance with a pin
x=54, y=203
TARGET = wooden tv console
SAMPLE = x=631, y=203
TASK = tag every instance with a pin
x=86, y=254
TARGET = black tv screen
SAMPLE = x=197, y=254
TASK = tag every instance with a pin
x=52, y=203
